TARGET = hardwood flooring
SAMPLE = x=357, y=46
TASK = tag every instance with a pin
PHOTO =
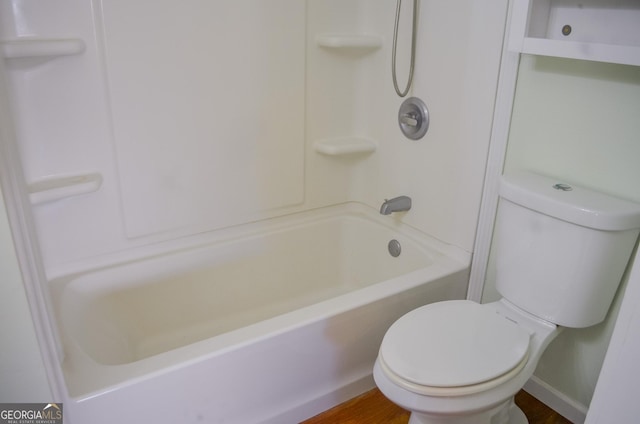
x=373, y=408
x=537, y=412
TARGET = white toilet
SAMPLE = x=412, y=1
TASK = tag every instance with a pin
x=560, y=254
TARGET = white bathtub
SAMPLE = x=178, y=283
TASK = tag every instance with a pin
x=271, y=322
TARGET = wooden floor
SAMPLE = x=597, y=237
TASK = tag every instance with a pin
x=373, y=408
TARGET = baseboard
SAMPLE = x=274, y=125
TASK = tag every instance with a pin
x=570, y=409
x=322, y=403
x=554, y=399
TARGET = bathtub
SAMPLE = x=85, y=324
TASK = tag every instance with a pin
x=270, y=322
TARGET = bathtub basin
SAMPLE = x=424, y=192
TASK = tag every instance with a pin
x=269, y=322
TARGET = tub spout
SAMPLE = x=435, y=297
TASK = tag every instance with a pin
x=397, y=204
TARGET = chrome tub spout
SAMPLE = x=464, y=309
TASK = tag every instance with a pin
x=397, y=204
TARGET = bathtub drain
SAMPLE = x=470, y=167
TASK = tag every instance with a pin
x=394, y=248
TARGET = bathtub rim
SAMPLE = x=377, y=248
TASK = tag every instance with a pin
x=186, y=243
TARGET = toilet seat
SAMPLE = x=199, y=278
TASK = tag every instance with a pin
x=453, y=348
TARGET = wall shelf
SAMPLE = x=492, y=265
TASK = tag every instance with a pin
x=61, y=187
x=41, y=47
x=610, y=53
x=349, y=41
x=578, y=29
x=341, y=146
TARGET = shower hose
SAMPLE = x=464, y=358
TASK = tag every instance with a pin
x=413, y=48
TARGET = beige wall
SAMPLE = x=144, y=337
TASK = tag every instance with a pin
x=577, y=120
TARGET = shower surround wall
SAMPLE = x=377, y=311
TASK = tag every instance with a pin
x=185, y=120
x=142, y=126
x=178, y=120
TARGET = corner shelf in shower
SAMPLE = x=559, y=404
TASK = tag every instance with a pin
x=61, y=187
x=349, y=41
x=19, y=48
x=342, y=146
x=587, y=30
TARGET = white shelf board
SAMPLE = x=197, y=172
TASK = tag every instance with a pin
x=624, y=55
x=601, y=32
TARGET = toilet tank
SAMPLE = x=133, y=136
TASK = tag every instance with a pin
x=561, y=250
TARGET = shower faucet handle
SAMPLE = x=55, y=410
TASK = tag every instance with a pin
x=413, y=118
x=409, y=119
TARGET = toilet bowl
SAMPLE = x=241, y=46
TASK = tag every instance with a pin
x=561, y=251
x=466, y=365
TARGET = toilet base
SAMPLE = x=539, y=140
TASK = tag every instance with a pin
x=505, y=413
x=516, y=416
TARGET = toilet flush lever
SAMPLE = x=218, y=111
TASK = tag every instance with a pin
x=563, y=187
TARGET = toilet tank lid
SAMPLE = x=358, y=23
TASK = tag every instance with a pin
x=569, y=202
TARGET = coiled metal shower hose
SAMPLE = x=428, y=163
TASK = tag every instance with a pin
x=413, y=48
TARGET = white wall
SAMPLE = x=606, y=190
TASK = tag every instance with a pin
x=578, y=121
x=191, y=120
x=456, y=76
x=22, y=374
x=616, y=398
x=185, y=144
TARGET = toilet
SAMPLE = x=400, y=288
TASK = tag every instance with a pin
x=560, y=252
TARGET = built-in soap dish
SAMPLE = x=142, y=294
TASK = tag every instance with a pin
x=19, y=48
x=341, y=146
x=349, y=41
x=54, y=188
